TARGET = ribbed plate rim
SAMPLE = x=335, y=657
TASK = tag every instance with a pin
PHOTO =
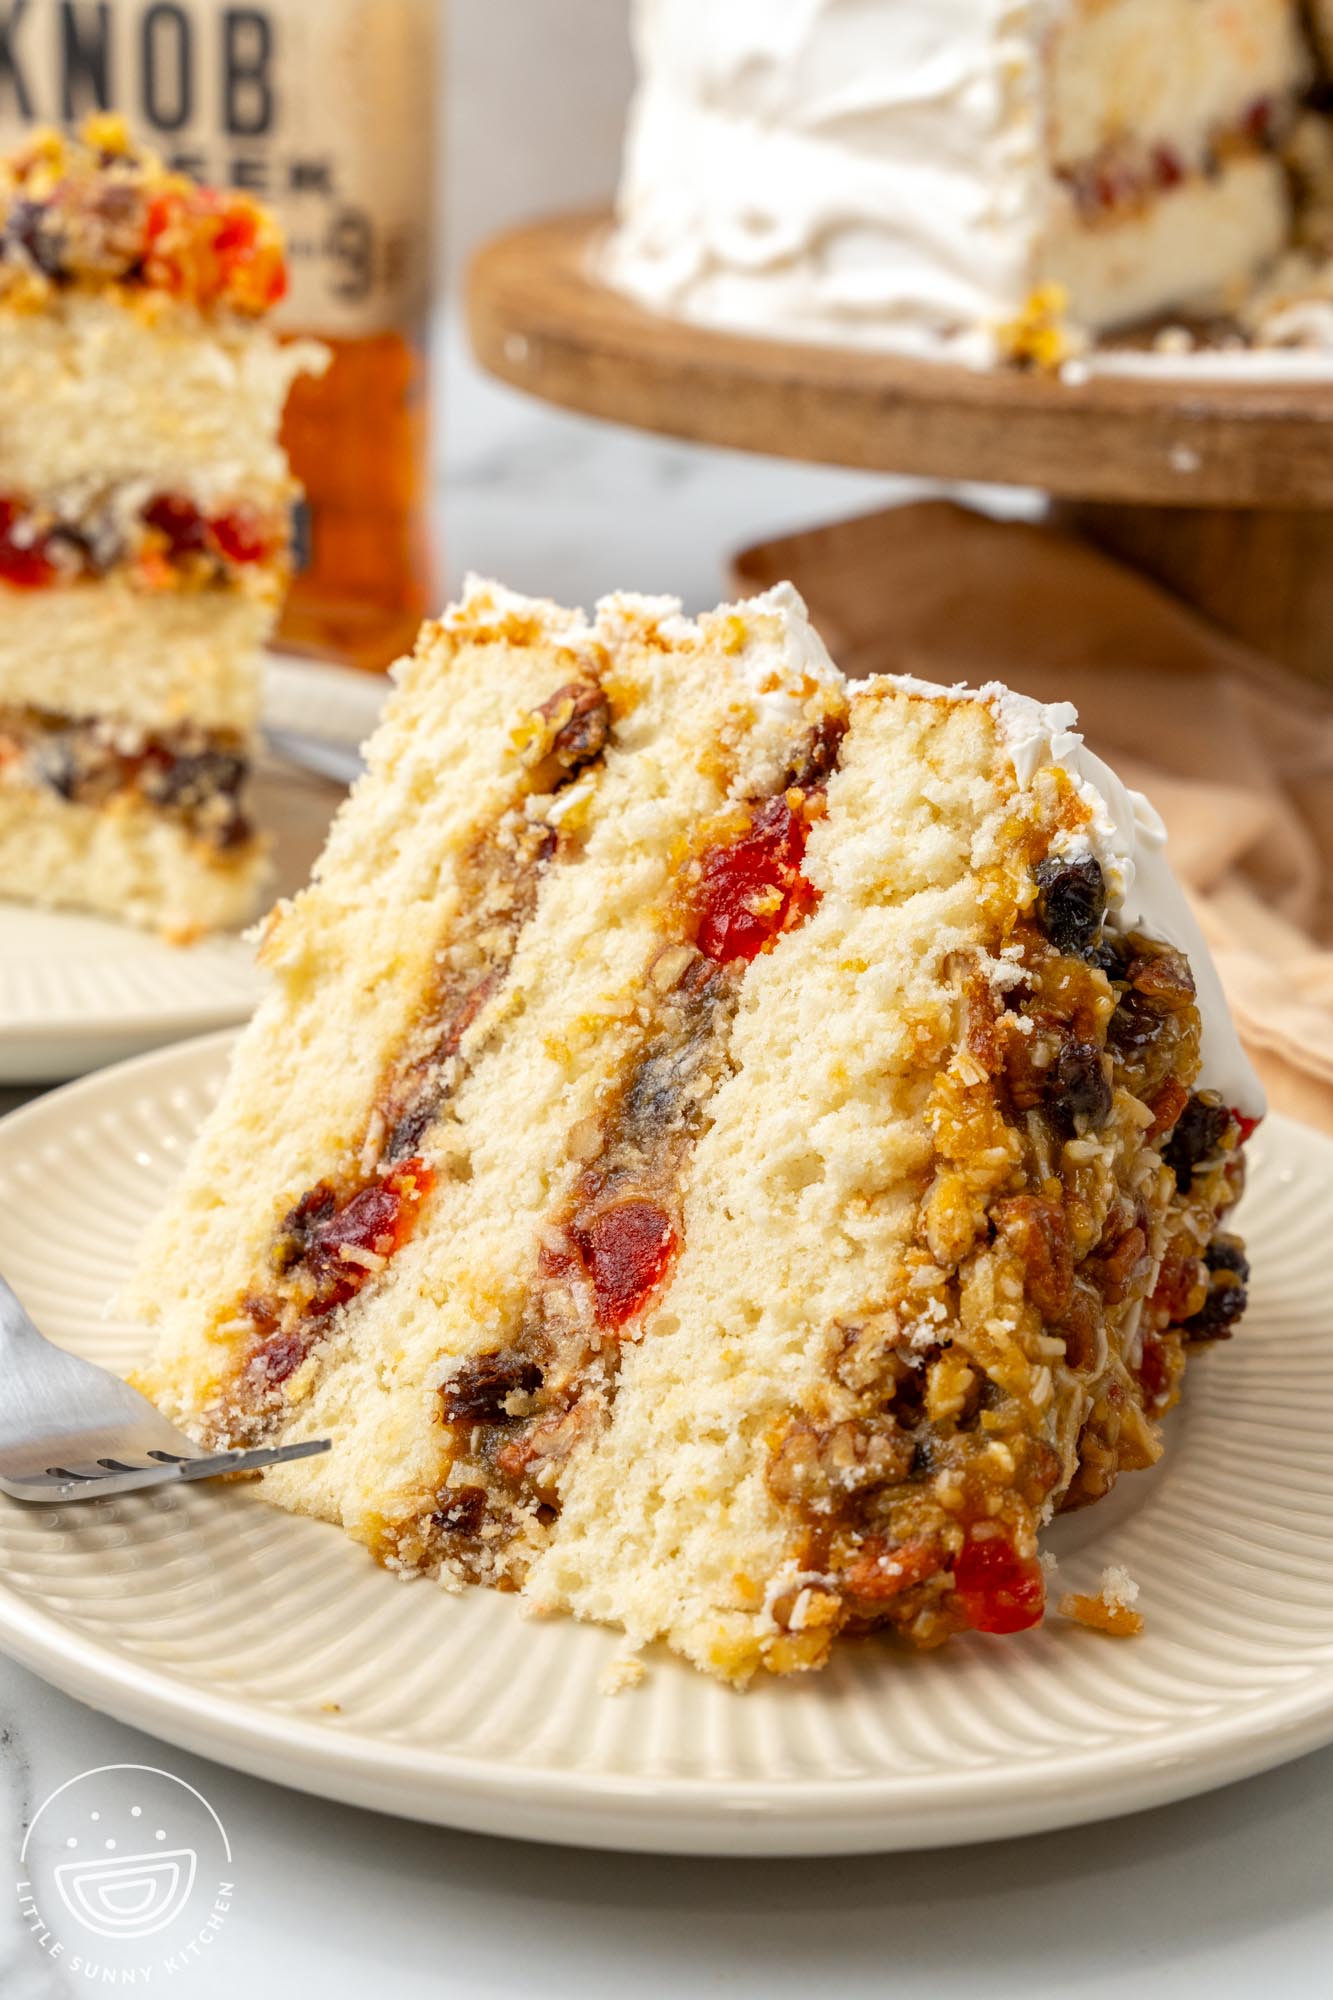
x=33, y=1046
x=670, y=1813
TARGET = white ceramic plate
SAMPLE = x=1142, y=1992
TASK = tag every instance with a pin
x=275, y=1645
x=76, y=992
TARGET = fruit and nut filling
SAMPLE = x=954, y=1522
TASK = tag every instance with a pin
x=164, y=543
x=346, y=1229
x=193, y=776
x=513, y=1416
x=1067, y=1250
x=97, y=214
x=1129, y=173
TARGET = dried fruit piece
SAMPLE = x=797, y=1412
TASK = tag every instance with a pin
x=996, y=1589
x=477, y=1391
x=1071, y=902
x=751, y=889
x=1198, y=1136
x=627, y=1249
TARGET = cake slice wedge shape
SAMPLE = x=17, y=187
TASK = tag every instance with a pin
x=728, y=1153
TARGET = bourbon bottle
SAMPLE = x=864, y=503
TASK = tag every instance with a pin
x=325, y=110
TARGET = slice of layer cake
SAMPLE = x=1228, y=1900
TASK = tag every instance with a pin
x=144, y=507
x=725, y=1152
x=910, y=171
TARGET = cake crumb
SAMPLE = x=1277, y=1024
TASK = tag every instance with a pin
x=1111, y=1610
x=625, y=1671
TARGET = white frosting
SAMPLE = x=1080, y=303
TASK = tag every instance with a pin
x=837, y=169
x=784, y=661
x=1128, y=839
x=880, y=172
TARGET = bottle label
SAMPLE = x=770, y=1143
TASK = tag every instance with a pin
x=323, y=109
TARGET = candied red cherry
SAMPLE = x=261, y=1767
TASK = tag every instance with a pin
x=751, y=888
x=627, y=1249
x=23, y=564
x=180, y=521
x=239, y=537
x=996, y=1589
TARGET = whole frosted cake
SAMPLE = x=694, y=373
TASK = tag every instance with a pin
x=915, y=171
x=725, y=1152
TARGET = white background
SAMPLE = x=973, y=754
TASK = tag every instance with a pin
x=1223, y=1898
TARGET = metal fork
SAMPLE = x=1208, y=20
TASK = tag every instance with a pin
x=319, y=754
x=70, y=1430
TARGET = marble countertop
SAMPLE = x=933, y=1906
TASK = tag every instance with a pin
x=1229, y=1895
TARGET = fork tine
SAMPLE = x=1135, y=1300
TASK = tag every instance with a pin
x=112, y=1476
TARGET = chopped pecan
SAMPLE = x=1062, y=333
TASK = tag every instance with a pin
x=1037, y=1231
x=882, y=1572
x=573, y=727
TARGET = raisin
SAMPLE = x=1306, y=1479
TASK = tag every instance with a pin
x=410, y=1128
x=1227, y=1253
x=1225, y=1304
x=1202, y=1126
x=54, y=764
x=1071, y=903
x=818, y=756
x=1078, y=1092
x=33, y=229
x=1164, y=977
x=190, y=782
x=461, y=1511
x=280, y=1357
x=1136, y=1026
x=477, y=1391
x=925, y=1455
x=1111, y=956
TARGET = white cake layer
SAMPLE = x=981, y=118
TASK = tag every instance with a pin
x=1167, y=72
x=158, y=659
x=95, y=391
x=882, y=174
x=1196, y=246
x=123, y=861
x=803, y=1194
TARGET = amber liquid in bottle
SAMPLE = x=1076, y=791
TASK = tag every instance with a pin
x=359, y=443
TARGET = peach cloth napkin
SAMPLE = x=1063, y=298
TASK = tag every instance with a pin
x=1236, y=754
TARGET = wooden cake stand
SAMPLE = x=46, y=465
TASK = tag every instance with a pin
x=1220, y=489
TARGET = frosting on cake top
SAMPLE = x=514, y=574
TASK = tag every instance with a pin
x=799, y=167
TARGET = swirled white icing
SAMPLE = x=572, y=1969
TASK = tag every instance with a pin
x=835, y=168
x=897, y=173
